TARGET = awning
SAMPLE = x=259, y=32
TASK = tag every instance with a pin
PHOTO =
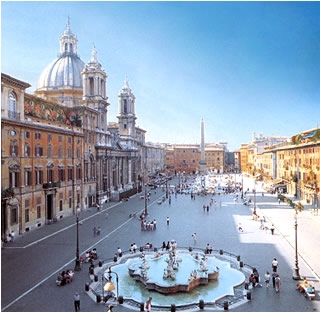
x=279, y=181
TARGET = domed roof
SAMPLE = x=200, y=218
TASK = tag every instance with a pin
x=65, y=71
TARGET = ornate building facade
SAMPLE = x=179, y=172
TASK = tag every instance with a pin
x=59, y=152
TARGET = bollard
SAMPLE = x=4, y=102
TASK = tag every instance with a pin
x=246, y=286
x=221, y=252
x=141, y=306
x=98, y=298
x=115, y=259
x=173, y=307
x=201, y=304
x=155, y=249
x=100, y=264
x=190, y=249
x=226, y=305
x=87, y=287
x=95, y=277
x=120, y=299
x=238, y=258
x=241, y=264
x=249, y=295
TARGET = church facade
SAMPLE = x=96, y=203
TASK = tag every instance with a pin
x=59, y=153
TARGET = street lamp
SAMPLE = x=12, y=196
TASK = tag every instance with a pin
x=110, y=285
x=242, y=185
x=296, y=274
x=145, y=202
x=254, y=197
x=77, y=266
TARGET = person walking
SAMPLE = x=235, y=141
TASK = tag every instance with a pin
x=274, y=265
x=168, y=221
x=194, y=236
x=76, y=298
x=267, y=279
x=277, y=283
x=148, y=304
x=272, y=229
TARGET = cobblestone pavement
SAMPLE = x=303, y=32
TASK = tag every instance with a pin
x=31, y=263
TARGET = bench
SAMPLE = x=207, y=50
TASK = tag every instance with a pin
x=305, y=289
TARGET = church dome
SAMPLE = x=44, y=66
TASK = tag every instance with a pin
x=64, y=73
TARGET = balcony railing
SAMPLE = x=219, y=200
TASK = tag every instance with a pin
x=13, y=115
x=51, y=185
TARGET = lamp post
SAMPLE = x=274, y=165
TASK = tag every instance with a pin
x=296, y=274
x=77, y=266
x=117, y=279
x=242, y=185
x=145, y=202
x=254, y=197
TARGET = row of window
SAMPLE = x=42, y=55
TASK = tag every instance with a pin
x=62, y=175
x=38, y=151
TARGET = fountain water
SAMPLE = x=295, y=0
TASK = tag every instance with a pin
x=177, y=276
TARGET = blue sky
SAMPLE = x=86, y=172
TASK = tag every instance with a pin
x=243, y=67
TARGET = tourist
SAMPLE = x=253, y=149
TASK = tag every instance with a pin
x=76, y=298
x=272, y=229
x=168, y=246
x=168, y=220
x=148, y=304
x=240, y=229
x=119, y=252
x=274, y=265
x=267, y=279
x=163, y=245
x=277, y=283
x=134, y=247
x=194, y=236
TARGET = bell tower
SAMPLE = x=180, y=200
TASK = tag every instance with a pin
x=126, y=112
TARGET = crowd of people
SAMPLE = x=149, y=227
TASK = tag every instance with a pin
x=65, y=277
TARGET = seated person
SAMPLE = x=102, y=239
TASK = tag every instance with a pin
x=252, y=280
x=302, y=286
x=310, y=289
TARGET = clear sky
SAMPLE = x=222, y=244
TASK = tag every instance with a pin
x=243, y=67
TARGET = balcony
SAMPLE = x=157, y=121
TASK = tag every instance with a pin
x=49, y=185
x=13, y=115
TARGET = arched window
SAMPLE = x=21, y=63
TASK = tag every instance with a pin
x=125, y=107
x=12, y=105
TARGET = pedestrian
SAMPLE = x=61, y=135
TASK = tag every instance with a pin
x=277, y=283
x=168, y=246
x=240, y=229
x=94, y=231
x=272, y=229
x=163, y=245
x=12, y=236
x=274, y=265
x=168, y=220
x=274, y=274
x=267, y=279
x=76, y=298
x=119, y=252
x=148, y=304
x=279, y=201
x=194, y=236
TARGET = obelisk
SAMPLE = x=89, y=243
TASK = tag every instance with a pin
x=203, y=165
